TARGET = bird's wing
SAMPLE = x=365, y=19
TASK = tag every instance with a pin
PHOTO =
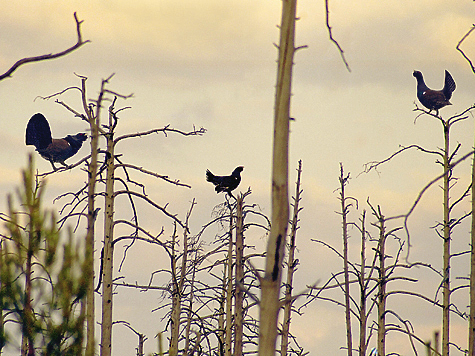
x=449, y=85
x=38, y=132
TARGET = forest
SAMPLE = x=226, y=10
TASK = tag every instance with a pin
x=123, y=250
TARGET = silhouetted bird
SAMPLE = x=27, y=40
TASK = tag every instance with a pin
x=434, y=99
x=38, y=134
x=225, y=183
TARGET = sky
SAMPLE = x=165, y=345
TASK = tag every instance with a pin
x=212, y=64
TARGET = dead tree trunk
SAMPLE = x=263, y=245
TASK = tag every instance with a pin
x=344, y=213
x=222, y=303
x=239, y=277
x=381, y=284
x=2, y=319
x=229, y=288
x=291, y=265
x=190, y=306
x=471, y=333
x=108, y=253
x=176, y=300
x=270, y=284
x=178, y=285
x=446, y=239
x=94, y=123
x=363, y=293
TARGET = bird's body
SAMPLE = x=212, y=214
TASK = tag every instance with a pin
x=434, y=99
x=38, y=134
x=225, y=183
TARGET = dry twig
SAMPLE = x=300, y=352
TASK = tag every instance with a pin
x=44, y=57
x=342, y=53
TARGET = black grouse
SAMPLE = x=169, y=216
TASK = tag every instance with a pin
x=38, y=134
x=225, y=183
x=434, y=99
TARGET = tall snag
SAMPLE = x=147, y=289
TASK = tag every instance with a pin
x=271, y=282
x=291, y=266
x=344, y=213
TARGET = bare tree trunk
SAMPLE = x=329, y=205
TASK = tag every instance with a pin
x=239, y=275
x=190, y=308
x=94, y=123
x=107, y=280
x=2, y=320
x=221, y=330
x=363, y=296
x=471, y=332
x=229, y=289
x=176, y=302
x=344, y=213
x=446, y=236
x=284, y=345
x=270, y=284
x=382, y=287
x=182, y=280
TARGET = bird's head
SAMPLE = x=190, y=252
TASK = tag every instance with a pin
x=238, y=170
x=81, y=136
x=417, y=74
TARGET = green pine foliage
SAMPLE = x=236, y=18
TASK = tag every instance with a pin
x=43, y=285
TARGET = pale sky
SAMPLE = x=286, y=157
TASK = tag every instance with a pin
x=212, y=63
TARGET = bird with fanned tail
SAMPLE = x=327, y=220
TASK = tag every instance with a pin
x=225, y=183
x=38, y=134
x=434, y=99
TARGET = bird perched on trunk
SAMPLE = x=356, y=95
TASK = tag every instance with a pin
x=225, y=183
x=434, y=99
x=38, y=134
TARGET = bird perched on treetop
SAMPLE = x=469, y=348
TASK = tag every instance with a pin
x=38, y=134
x=434, y=99
x=225, y=183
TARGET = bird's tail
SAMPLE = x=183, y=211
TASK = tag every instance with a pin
x=38, y=132
x=209, y=176
x=449, y=85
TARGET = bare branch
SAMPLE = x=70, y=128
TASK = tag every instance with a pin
x=145, y=171
x=164, y=129
x=462, y=52
x=342, y=53
x=151, y=202
x=44, y=57
x=375, y=164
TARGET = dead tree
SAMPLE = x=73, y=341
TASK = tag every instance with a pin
x=362, y=281
x=471, y=327
x=446, y=157
x=382, y=281
x=373, y=280
x=344, y=215
x=239, y=278
x=292, y=264
x=112, y=164
x=105, y=170
x=178, y=286
x=445, y=229
x=230, y=328
x=270, y=283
